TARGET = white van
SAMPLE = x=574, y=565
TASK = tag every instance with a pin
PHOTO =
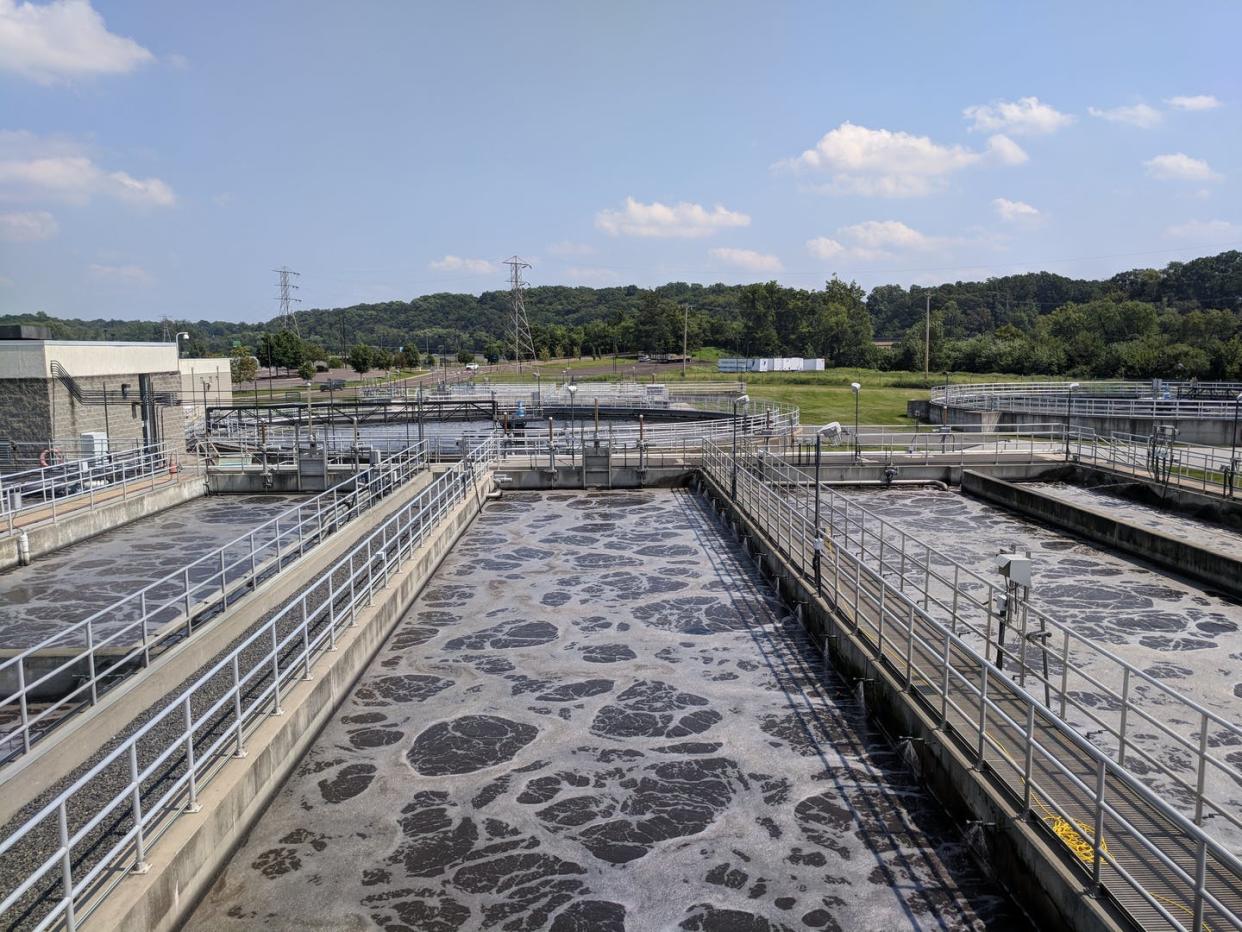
x=472, y=367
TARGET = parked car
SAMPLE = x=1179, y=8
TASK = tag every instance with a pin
x=331, y=385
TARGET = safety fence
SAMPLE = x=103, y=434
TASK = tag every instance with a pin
x=1129, y=839
x=44, y=682
x=1133, y=716
x=106, y=824
x=46, y=493
x=1130, y=399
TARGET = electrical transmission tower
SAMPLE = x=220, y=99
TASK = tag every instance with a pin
x=288, y=318
x=523, y=345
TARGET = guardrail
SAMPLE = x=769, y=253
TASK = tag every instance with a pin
x=1134, y=454
x=98, y=651
x=44, y=494
x=1127, y=838
x=1147, y=400
x=1132, y=716
x=104, y=825
x=759, y=417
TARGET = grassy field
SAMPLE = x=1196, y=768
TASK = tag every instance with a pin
x=821, y=396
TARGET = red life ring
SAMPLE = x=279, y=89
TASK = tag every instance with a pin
x=174, y=464
x=50, y=456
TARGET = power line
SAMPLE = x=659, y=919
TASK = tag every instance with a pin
x=287, y=317
x=523, y=344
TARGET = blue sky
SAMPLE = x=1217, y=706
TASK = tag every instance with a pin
x=161, y=158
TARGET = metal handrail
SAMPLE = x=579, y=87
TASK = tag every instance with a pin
x=98, y=649
x=164, y=773
x=1147, y=400
x=70, y=482
x=936, y=664
x=1074, y=662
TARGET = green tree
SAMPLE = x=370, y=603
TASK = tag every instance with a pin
x=465, y=356
x=361, y=358
x=245, y=368
x=306, y=371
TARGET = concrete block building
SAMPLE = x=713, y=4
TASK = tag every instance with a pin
x=52, y=392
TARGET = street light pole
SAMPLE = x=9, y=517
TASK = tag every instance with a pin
x=743, y=400
x=1069, y=415
x=856, y=388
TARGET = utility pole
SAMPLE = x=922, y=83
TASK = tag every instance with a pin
x=685, y=330
x=288, y=318
x=523, y=344
x=927, y=343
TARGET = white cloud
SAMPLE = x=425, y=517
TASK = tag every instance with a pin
x=27, y=227
x=1206, y=230
x=1027, y=116
x=1194, y=102
x=748, y=259
x=873, y=239
x=1005, y=150
x=682, y=220
x=458, y=264
x=567, y=248
x=1180, y=167
x=1140, y=115
x=32, y=167
x=592, y=275
x=884, y=163
x=824, y=247
x=123, y=274
x=62, y=40
x=1014, y=211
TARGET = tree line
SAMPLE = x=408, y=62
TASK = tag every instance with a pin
x=1184, y=320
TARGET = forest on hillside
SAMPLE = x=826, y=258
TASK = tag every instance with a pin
x=1184, y=320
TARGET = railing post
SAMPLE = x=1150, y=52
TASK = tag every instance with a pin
x=1064, y=670
x=66, y=867
x=254, y=581
x=1026, y=764
x=240, y=750
x=1200, y=884
x=140, y=849
x=944, y=681
x=276, y=709
x=909, y=645
x=1125, y=707
x=983, y=710
x=189, y=625
x=306, y=673
x=1202, y=775
x=90, y=660
x=1096, y=842
x=224, y=591
x=142, y=615
x=23, y=704
x=191, y=774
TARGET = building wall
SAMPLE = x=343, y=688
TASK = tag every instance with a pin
x=32, y=359
x=121, y=420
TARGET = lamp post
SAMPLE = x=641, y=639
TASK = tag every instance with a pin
x=856, y=388
x=1069, y=415
x=739, y=400
x=1233, y=452
x=573, y=390
x=183, y=333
